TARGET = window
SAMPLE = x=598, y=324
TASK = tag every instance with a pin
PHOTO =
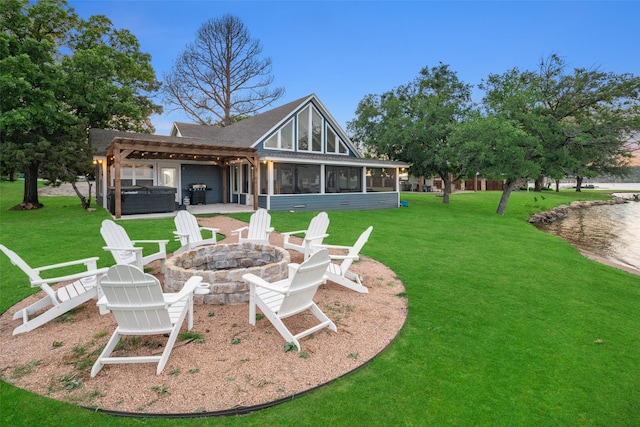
x=381, y=179
x=310, y=132
x=296, y=179
x=264, y=178
x=343, y=179
x=282, y=139
x=137, y=174
x=303, y=130
x=334, y=144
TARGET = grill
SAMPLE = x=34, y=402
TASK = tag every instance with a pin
x=197, y=194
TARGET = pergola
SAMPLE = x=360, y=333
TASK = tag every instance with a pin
x=168, y=148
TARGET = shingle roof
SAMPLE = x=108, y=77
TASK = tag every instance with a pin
x=243, y=133
x=101, y=138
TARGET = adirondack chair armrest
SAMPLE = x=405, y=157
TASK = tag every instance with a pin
x=239, y=230
x=179, y=234
x=189, y=287
x=213, y=230
x=323, y=246
x=320, y=236
x=270, y=230
x=69, y=277
x=293, y=268
x=161, y=243
x=112, y=248
x=89, y=262
x=289, y=233
x=254, y=280
x=342, y=257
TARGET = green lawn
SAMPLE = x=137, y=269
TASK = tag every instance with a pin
x=502, y=326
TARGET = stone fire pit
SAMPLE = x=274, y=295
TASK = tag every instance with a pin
x=222, y=266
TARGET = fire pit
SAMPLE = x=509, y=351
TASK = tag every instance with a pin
x=222, y=266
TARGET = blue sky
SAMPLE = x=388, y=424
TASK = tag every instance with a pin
x=344, y=50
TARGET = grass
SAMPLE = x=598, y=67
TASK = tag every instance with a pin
x=506, y=326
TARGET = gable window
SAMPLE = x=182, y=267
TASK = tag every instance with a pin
x=310, y=133
x=334, y=144
x=282, y=139
x=343, y=179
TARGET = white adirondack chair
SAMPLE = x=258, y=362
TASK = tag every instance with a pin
x=122, y=249
x=83, y=288
x=258, y=230
x=288, y=297
x=189, y=232
x=140, y=308
x=339, y=272
x=313, y=235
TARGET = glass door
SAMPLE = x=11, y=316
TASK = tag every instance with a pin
x=169, y=178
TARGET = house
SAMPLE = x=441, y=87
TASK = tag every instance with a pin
x=292, y=158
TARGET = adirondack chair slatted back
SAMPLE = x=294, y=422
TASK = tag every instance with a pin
x=259, y=223
x=19, y=262
x=317, y=229
x=355, y=250
x=305, y=283
x=116, y=237
x=186, y=223
x=136, y=301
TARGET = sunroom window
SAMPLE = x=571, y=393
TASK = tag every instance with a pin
x=381, y=179
x=296, y=178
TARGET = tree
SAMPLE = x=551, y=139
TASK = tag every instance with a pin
x=413, y=123
x=592, y=115
x=59, y=76
x=499, y=148
x=220, y=76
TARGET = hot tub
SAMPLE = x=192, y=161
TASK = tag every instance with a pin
x=141, y=200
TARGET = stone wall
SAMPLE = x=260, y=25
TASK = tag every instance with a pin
x=222, y=266
x=562, y=211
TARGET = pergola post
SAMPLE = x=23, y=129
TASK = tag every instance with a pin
x=117, y=199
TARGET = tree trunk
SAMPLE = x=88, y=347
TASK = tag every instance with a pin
x=538, y=184
x=557, y=185
x=85, y=201
x=578, y=184
x=506, y=192
x=447, y=188
x=31, y=187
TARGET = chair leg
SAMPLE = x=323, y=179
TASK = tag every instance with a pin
x=170, y=343
x=111, y=345
x=278, y=324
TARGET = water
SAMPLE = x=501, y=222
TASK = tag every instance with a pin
x=610, y=231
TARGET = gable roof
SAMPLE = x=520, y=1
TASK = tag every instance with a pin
x=244, y=133
x=250, y=131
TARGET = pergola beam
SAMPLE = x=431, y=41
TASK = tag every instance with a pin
x=122, y=148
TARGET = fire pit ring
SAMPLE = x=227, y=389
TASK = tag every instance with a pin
x=222, y=266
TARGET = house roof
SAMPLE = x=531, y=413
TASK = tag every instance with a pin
x=244, y=133
x=188, y=140
x=162, y=147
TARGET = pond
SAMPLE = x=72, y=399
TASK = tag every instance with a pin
x=611, y=231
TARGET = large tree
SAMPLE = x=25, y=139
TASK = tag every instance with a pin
x=220, y=76
x=413, y=123
x=59, y=76
x=583, y=119
x=592, y=115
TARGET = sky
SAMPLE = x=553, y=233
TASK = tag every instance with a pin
x=345, y=50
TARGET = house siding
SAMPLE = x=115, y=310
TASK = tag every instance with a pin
x=202, y=174
x=333, y=202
